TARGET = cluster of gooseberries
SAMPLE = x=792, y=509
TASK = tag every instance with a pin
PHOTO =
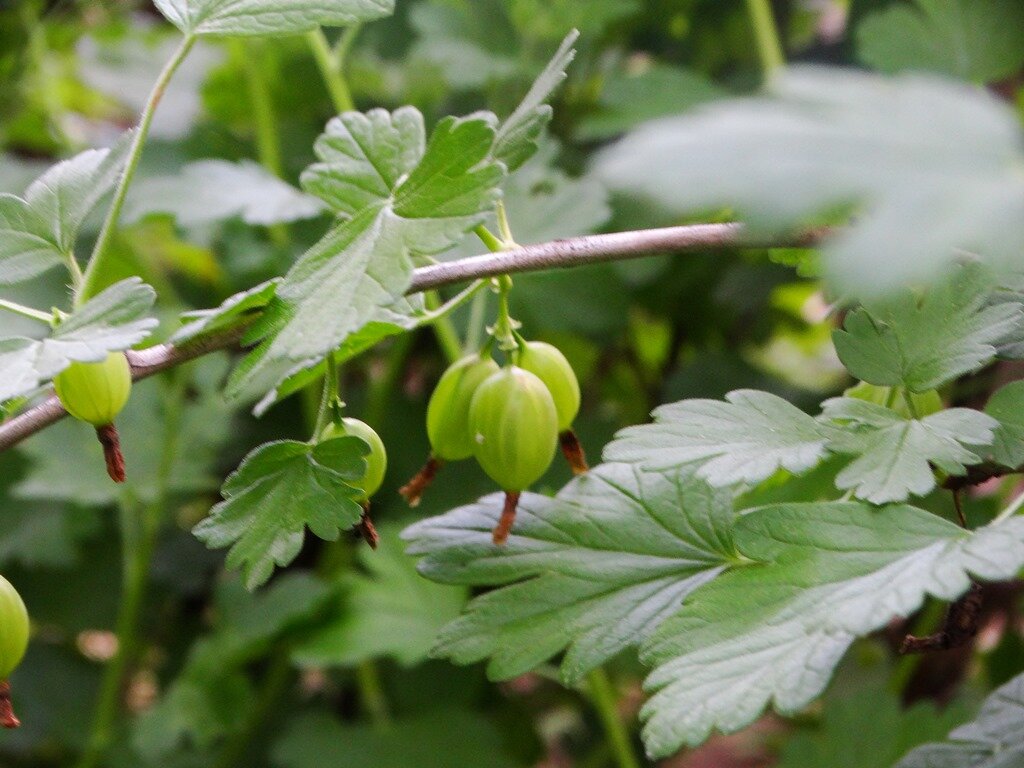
x=511, y=418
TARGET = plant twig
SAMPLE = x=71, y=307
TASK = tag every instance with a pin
x=571, y=252
x=91, y=278
x=602, y=696
x=769, y=47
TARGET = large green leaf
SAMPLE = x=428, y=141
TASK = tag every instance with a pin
x=994, y=740
x=279, y=490
x=923, y=342
x=114, y=320
x=389, y=611
x=930, y=164
x=592, y=571
x=214, y=190
x=978, y=40
x=268, y=17
x=745, y=439
x=895, y=454
x=38, y=231
x=365, y=263
x=1007, y=407
x=822, y=574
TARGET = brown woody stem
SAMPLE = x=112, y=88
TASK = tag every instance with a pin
x=508, y=517
x=111, y=443
x=413, y=490
x=960, y=627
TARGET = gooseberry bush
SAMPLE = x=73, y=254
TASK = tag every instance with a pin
x=814, y=541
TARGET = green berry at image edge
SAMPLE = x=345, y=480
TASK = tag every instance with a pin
x=95, y=392
x=451, y=438
x=515, y=424
x=14, y=627
x=550, y=366
x=376, y=459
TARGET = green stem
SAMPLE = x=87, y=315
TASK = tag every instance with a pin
x=603, y=697
x=139, y=534
x=268, y=144
x=909, y=402
x=444, y=329
x=508, y=241
x=1010, y=510
x=93, y=270
x=330, y=66
x=474, y=336
x=769, y=47
x=493, y=244
x=371, y=692
x=275, y=683
x=29, y=312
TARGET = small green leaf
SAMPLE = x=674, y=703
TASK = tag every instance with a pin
x=232, y=310
x=268, y=17
x=214, y=190
x=363, y=157
x=38, y=231
x=112, y=321
x=1007, y=407
x=823, y=573
x=279, y=490
x=895, y=454
x=519, y=136
x=391, y=611
x=592, y=571
x=364, y=263
x=743, y=440
x=977, y=40
x=994, y=740
x=922, y=343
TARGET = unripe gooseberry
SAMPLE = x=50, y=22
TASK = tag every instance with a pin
x=376, y=459
x=515, y=424
x=550, y=366
x=13, y=629
x=95, y=392
x=451, y=438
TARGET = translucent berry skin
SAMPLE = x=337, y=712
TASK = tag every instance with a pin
x=550, y=366
x=376, y=459
x=95, y=392
x=515, y=424
x=13, y=629
x=451, y=438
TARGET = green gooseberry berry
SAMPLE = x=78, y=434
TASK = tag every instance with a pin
x=13, y=628
x=515, y=424
x=95, y=392
x=376, y=459
x=550, y=366
x=451, y=438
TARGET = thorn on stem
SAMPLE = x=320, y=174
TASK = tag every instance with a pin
x=508, y=517
x=413, y=491
x=573, y=452
x=111, y=443
x=7, y=717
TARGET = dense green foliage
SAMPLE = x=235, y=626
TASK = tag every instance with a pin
x=827, y=483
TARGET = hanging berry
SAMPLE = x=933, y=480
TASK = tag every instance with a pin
x=515, y=424
x=14, y=628
x=376, y=467
x=550, y=366
x=451, y=439
x=96, y=393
